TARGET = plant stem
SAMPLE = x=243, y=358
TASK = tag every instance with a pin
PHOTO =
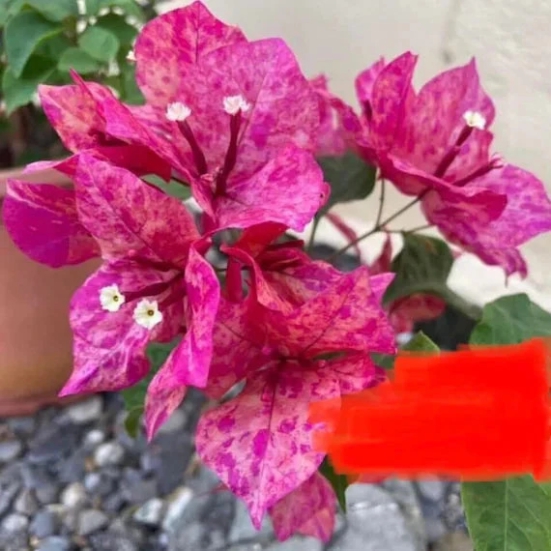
x=375, y=229
x=381, y=204
x=313, y=234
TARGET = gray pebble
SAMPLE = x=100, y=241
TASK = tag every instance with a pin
x=243, y=529
x=72, y=469
x=94, y=438
x=74, y=496
x=109, y=453
x=298, y=544
x=140, y=491
x=99, y=484
x=90, y=521
x=113, y=503
x=51, y=443
x=44, y=524
x=109, y=541
x=22, y=426
x=150, y=513
x=85, y=412
x=54, y=543
x=176, y=505
x=7, y=495
x=47, y=493
x=175, y=423
x=14, y=523
x=432, y=490
x=26, y=503
x=10, y=450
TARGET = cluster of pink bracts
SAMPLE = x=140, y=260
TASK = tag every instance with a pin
x=238, y=122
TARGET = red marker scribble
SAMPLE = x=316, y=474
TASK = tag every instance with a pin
x=481, y=413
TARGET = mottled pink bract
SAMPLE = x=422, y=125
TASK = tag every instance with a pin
x=109, y=347
x=129, y=218
x=308, y=510
x=170, y=43
x=189, y=362
x=42, y=220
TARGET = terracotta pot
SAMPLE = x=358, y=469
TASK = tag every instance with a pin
x=35, y=338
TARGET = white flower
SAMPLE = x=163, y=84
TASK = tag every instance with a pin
x=131, y=56
x=147, y=313
x=177, y=111
x=234, y=104
x=111, y=298
x=474, y=119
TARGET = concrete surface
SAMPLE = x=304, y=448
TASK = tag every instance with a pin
x=511, y=42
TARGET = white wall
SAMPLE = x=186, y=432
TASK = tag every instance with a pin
x=511, y=40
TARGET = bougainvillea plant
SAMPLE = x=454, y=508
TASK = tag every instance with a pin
x=194, y=203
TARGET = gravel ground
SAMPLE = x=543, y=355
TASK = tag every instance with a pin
x=71, y=479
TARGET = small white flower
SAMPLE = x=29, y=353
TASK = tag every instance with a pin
x=177, y=111
x=147, y=313
x=131, y=57
x=111, y=298
x=474, y=119
x=234, y=104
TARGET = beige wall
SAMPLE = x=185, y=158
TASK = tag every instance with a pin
x=511, y=40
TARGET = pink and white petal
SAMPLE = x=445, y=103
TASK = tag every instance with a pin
x=73, y=114
x=383, y=262
x=355, y=373
x=379, y=284
x=128, y=217
x=237, y=348
x=346, y=316
x=308, y=510
x=391, y=98
x=418, y=307
x=365, y=81
x=260, y=444
x=283, y=106
x=190, y=360
x=42, y=220
x=289, y=190
x=164, y=394
x=170, y=43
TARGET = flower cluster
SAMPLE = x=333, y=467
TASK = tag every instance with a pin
x=237, y=124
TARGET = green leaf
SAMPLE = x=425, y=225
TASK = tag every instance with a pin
x=132, y=94
x=132, y=421
x=418, y=343
x=8, y=8
x=172, y=188
x=117, y=25
x=512, y=515
x=511, y=319
x=20, y=91
x=130, y=7
x=100, y=44
x=53, y=47
x=92, y=7
x=23, y=34
x=423, y=266
x=80, y=61
x=350, y=178
x=339, y=482
x=134, y=397
x=55, y=10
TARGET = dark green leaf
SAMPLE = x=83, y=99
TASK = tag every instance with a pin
x=423, y=266
x=418, y=343
x=350, y=178
x=23, y=34
x=131, y=93
x=53, y=47
x=8, y=8
x=338, y=482
x=100, y=44
x=20, y=91
x=509, y=320
x=172, y=188
x=511, y=515
x=132, y=421
x=55, y=10
x=92, y=7
x=117, y=25
x=130, y=7
x=134, y=397
x=80, y=61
